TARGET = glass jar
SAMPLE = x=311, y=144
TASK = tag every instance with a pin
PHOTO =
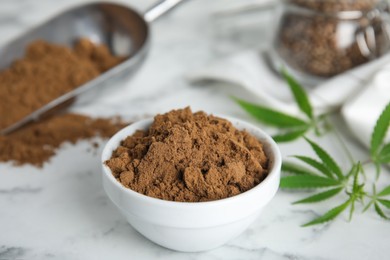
x=318, y=39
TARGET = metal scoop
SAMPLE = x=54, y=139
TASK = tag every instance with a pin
x=122, y=29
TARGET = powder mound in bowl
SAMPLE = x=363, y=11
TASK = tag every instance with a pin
x=189, y=157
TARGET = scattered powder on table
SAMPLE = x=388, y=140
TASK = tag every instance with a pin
x=189, y=157
x=46, y=72
x=36, y=143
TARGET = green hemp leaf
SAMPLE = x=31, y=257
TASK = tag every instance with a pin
x=330, y=215
x=322, y=173
x=299, y=95
x=322, y=176
x=380, y=153
x=291, y=127
x=378, y=201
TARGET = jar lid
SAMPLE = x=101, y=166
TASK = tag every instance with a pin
x=336, y=5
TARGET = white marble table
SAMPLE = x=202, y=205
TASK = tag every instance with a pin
x=62, y=212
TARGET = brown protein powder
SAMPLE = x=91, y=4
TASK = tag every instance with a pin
x=36, y=143
x=313, y=39
x=46, y=72
x=336, y=5
x=189, y=158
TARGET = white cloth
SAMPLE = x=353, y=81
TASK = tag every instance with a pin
x=353, y=91
x=362, y=111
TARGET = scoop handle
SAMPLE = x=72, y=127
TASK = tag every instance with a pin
x=160, y=8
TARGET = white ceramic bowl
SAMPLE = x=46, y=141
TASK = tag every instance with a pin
x=198, y=226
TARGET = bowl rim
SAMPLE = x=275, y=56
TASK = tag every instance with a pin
x=266, y=140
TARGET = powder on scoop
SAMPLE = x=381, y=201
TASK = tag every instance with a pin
x=46, y=72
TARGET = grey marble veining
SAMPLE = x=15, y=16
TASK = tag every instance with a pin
x=61, y=211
